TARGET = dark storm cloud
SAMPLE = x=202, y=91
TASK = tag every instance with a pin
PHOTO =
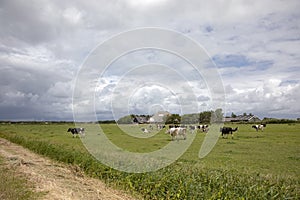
x=26, y=22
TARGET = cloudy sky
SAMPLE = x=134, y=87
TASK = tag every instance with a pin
x=44, y=45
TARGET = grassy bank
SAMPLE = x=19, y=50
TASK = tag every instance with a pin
x=14, y=186
x=251, y=166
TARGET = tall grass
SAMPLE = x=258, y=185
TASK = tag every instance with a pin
x=13, y=186
x=184, y=179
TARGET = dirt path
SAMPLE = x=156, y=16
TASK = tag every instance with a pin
x=57, y=180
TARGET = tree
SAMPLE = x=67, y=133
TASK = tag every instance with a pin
x=233, y=115
x=126, y=119
x=190, y=118
x=217, y=115
x=173, y=119
x=204, y=117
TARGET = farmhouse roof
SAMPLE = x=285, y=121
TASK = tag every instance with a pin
x=140, y=119
x=243, y=118
x=159, y=117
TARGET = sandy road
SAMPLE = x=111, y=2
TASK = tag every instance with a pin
x=57, y=180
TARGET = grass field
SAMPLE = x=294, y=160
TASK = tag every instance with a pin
x=253, y=165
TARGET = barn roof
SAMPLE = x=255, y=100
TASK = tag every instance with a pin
x=159, y=117
x=140, y=119
x=243, y=118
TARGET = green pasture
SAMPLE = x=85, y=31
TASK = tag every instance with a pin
x=252, y=164
x=274, y=151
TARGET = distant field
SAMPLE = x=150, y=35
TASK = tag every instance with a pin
x=266, y=164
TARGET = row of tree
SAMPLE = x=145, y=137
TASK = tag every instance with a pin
x=203, y=117
x=279, y=121
x=195, y=118
x=244, y=114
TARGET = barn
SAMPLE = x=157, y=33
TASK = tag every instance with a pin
x=159, y=117
x=140, y=119
x=243, y=118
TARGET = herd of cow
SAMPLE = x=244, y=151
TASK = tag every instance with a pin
x=178, y=130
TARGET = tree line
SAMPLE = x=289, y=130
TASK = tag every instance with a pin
x=204, y=117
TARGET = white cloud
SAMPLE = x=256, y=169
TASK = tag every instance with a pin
x=44, y=43
x=145, y=4
x=268, y=99
x=72, y=15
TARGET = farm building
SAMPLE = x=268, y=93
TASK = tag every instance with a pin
x=140, y=119
x=243, y=118
x=159, y=117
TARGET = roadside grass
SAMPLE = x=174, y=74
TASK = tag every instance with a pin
x=13, y=186
x=253, y=165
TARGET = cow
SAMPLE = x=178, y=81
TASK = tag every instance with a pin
x=150, y=127
x=204, y=128
x=259, y=127
x=160, y=126
x=145, y=130
x=228, y=130
x=193, y=129
x=171, y=126
x=76, y=131
x=175, y=132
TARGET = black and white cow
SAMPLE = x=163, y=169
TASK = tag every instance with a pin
x=145, y=130
x=160, y=126
x=175, y=132
x=204, y=128
x=228, y=130
x=259, y=127
x=194, y=128
x=76, y=131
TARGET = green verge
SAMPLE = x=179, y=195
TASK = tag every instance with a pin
x=14, y=186
x=177, y=181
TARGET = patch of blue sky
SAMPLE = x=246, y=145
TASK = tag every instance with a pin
x=240, y=61
x=234, y=38
x=287, y=39
x=209, y=29
x=292, y=69
x=263, y=65
x=231, y=61
x=289, y=82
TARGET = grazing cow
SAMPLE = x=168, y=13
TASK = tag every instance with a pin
x=145, y=130
x=204, y=128
x=259, y=127
x=76, y=131
x=151, y=127
x=193, y=129
x=175, y=132
x=173, y=126
x=160, y=126
x=228, y=130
